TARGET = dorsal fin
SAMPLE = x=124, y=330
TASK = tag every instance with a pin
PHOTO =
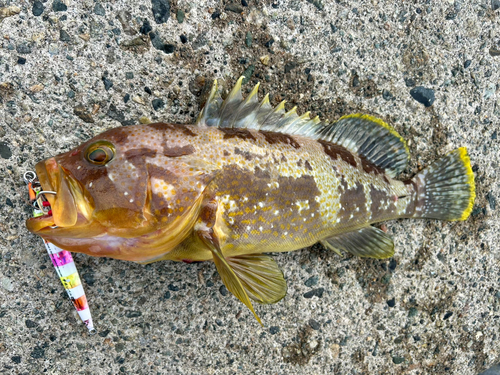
x=361, y=134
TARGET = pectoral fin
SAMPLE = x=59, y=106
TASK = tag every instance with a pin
x=205, y=232
x=231, y=280
x=260, y=276
x=368, y=242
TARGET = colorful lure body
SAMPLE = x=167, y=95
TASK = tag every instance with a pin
x=63, y=262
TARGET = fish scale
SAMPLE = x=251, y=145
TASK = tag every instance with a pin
x=244, y=180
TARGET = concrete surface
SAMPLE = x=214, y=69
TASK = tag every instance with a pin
x=67, y=68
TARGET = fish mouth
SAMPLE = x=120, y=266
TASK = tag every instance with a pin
x=70, y=204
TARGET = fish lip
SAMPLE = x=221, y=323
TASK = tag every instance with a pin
x=43, y=175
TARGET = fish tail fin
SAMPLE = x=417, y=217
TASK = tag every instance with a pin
x=445, y=190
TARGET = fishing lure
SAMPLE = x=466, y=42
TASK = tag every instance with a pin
x=62, y=260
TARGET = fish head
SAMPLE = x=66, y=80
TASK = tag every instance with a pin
x=130, y=182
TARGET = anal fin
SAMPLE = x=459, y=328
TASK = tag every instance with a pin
x=367, y=242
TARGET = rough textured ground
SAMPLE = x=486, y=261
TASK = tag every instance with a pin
x=70, y=69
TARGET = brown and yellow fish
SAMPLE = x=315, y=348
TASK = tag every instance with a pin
x=244, y=180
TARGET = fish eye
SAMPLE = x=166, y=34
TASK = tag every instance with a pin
x=100, y=153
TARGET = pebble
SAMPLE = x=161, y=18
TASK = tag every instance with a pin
x=447, y=315
x=23, y=48
x=70, y=94
x=144, y=120
x=126, y=98
x=264, y=59
x=159, y=45
x=274, y=330
x=38, y=8
x=129, y=75
x=5, y=151
x=53, y=49
x=494, y=52
x=59, y=6
x=467, y=63
x=248, y=39
x=391, y=302
x=107, y=83
x=423, y=95
x=99, y=10
x=146, y=27
x=248, y=73
x=313, y=280
x=161, y=10
x=115, y=114
x=184, y=39
x=409, y=82
x=315, y=292
x=16, y=359
x=180, y=15
x=317, y=3
x=9, y=11
x=7, y=283
x=21, y=60
x=314, y=324
x=491, y=200
x=200, y=41
x=398, y=360
x=82, y=113
x=289, y=66
x=387, y=95
x=139, y=100
x=37, y=353
x=173, y=288
x=133, y=314
x=235, y=8
x=412, y=312
x=335, y=349
x=495, y=4
x=158, y=104
x=64, y=36
x=223, y=290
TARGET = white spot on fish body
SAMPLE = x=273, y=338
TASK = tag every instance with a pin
x=131, y=201
x=90, y=184
x=302, y=205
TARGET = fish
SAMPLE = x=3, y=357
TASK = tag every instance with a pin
x=245, y=180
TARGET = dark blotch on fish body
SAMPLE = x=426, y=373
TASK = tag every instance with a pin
x=335, y=151
x=237, y=133
x=143, y=151
x=176, y=151
x=274, y=138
